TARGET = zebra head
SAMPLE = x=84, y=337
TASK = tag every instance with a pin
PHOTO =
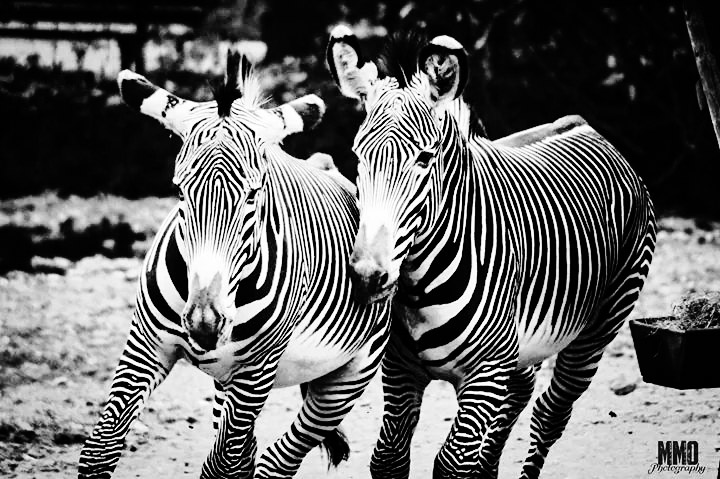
x=221, y=174
x=406, y=99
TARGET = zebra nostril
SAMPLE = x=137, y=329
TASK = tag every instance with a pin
x=206, y=340
x=377, y=280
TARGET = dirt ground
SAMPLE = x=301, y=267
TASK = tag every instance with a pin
x=60, y=337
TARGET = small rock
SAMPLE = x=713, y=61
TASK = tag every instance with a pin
x=59, y=381
x=624, y=390
x=622, y=386
x=612, y=414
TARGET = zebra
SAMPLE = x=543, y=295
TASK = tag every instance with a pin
x=247, y=280
x=497, y=254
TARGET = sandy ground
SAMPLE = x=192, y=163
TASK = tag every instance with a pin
x=60, y=337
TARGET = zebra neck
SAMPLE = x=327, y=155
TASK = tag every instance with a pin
x=451, y=200
x=309, y=212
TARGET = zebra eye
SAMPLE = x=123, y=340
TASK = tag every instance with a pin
x=423, y=159
x=252, y=195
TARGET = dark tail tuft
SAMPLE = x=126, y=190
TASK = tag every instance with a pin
x=335, y=443
x=337, y=448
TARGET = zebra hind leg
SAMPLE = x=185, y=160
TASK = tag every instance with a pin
x=577, y=363
x=140, y=370
x=335, y=443
x=404, y=382
x=575, y=368
x=520, y=389
x=327, y=401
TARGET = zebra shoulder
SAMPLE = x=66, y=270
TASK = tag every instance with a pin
x=541, y=132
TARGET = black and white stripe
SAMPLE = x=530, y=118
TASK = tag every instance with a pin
x=503, y=254
x=271, y=235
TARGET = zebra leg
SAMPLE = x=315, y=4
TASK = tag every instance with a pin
x=577, y=363
x=233, y=454
x=480, y=398
x=574, y=369
x=404, y=382
x=142, y=367
x=520, y=389
x=327, y=401
x=218, y=402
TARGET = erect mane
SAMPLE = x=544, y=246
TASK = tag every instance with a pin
x=240, y=82
x=399, y=56
x=467, y=119
x=399, y=59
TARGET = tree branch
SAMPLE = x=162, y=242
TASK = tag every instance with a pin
x=705, y=60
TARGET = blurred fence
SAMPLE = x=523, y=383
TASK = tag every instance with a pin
x=628, y=70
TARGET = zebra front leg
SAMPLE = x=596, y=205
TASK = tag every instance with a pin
x=142, y=367
x=218, y=402
x=480, y=398
x=327, y=400
x=233, y=454
x=520, y=389
x=404, y=382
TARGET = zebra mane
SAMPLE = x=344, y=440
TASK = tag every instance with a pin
x=399, y=56
x=475, y=125
x=399, y=59
x=240, y=82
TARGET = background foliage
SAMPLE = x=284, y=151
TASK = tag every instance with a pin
x=629, y=70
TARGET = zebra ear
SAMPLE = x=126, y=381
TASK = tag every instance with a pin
x=139, y=94
x=350, y=71
x=445, y=62
x=300, y=114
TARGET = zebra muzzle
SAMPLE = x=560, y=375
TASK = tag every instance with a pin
x=369, y=286
x=202, y=317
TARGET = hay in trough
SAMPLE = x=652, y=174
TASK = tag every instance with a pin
x=696, y=311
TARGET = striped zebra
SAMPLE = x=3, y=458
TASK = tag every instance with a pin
x=498, y=254
x=247, y=280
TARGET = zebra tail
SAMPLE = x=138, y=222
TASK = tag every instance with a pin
x=335, y=443
x=337, y=448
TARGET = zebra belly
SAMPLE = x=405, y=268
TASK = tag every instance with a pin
x=306, y=359
x=540, y=344
x=534, y=346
